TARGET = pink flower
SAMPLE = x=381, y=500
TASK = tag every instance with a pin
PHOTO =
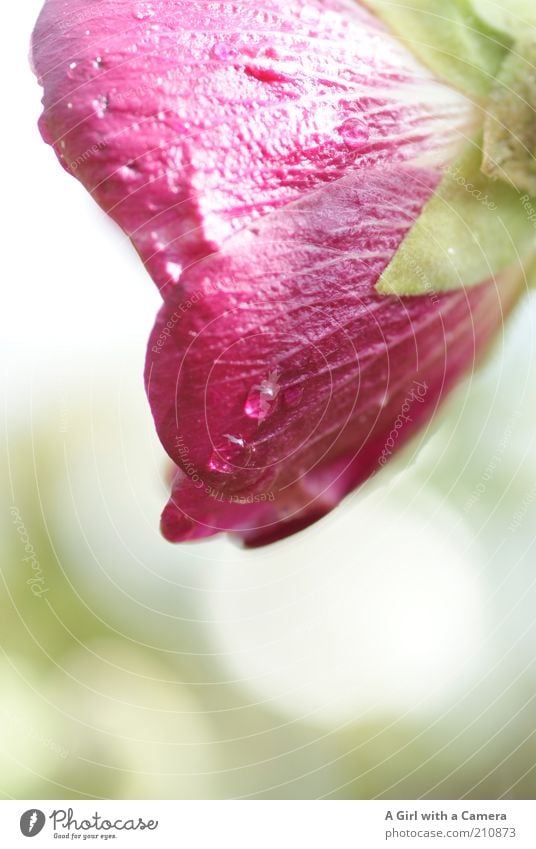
x=268, y=163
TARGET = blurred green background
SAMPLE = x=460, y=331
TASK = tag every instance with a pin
x=387, y=652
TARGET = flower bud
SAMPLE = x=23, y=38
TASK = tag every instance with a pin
x=331, y=215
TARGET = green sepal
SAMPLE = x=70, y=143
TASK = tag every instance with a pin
x=510, y=123
x=450, y=39
x=514, y=18
x=473, y=228
x=530, y=273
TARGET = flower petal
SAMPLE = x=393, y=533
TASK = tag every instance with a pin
x=348, y=375
x=474, y=227
x=188, y=120
x=267, y=164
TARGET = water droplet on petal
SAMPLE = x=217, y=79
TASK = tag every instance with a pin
x=253, y=406
x=231, y=455
x=100, y=105
x=261, y=400
x=143, y=11
x=174, y=270
x=82, y=71
x=235, y=440
x=218, y=464
x=223, y=51
x=127, y=172
x=354, y=132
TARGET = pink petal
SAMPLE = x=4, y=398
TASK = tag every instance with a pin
x=266, y=162
x=189, y=120
x=294, y=297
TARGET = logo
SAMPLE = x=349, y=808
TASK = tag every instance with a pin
x=32, y=822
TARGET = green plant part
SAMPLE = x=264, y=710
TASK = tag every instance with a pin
x=510, y=125
x=451, y=38
x=473, y=228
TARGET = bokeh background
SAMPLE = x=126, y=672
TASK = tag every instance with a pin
x=388, y=652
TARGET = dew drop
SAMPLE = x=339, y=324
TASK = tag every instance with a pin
x=235, y=440
x=231, y=455
x=354, y=132
x=126, y=172
x=261, y=400
x=83, y=70
x=157, y=242
x=174, y=270
x=253, y=407
x=100, y=105
x=218, y=464
x=143, y=11
x=223, y=51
